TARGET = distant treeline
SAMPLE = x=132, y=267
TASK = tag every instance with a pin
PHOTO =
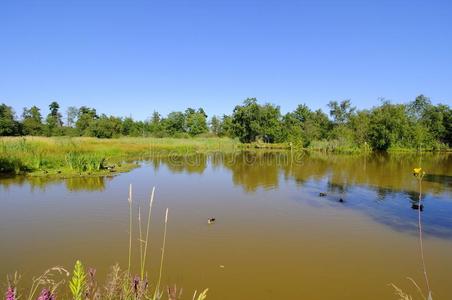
x=415, y=125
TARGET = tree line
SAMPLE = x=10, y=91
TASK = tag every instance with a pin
x=418, y=124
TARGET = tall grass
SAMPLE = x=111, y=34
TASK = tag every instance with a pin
x=130, y=228
x=64, y=155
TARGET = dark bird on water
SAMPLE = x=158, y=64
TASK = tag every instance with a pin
x=211, y=221
x=322, y=194
x=416, y=206
x=341, y=200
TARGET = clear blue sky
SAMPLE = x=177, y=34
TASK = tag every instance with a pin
x=131, y=57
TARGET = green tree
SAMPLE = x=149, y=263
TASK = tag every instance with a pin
x=54, y=121
x=174, y=123
x=71, y=116
x=86, y=117
x=195, y=121
x=8, y=123
x=32, y=121
x=252, y=121
x=359, y=124
x=215, y=125
x=419, y=107
x=341, y=112
x=106, y=127
x=226, y=127
x=389, y=126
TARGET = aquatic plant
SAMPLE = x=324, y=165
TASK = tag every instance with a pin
x=11, y=291
x=77, y=284
x=151, y=201
x=72, y=156
x=48, y=280
x=419, y=174
x=201, y=296
x=46, y=295
x=91, y=285
x=163, y=253
x=130, y=227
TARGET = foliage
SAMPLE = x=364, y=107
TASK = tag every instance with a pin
x=54, y=121
x=418, y=125
x=341, y=112
x=215, y=125
x=32, y=121
x=252, y=121
x=77, y=285
x=195, y=121
x=8, y=124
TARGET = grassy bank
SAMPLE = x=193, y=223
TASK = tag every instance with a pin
x=85, y=156
x=64, y=156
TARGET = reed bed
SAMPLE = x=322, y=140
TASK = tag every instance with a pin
x=83, y=155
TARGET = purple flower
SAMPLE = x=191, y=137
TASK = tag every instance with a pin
x=46, y=295
x=136, y=282
x=10, y=294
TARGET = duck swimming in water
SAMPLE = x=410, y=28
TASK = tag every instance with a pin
x=322, y=194
x=211, y=221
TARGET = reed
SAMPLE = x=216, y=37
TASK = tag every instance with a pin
x=151, y=201
x=72, y=156
x=140, y=240
x=130, y=228
x=163, y=252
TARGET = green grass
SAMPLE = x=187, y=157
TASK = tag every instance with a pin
x=65, y=156
x=83, y=156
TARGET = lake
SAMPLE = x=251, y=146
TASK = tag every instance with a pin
x=274, y=236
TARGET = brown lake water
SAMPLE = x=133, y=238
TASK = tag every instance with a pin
x=274, y=237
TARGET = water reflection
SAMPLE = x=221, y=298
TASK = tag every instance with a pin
x=75, y=184
x=380, y=185
x=253, y=170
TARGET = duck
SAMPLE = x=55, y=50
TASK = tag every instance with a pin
x=211, y=221
x=341, y=200
x=322, y=194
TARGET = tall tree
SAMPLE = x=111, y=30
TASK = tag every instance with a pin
x=71, y=116
x=252, y=121
x=86, y=117
x=32, y=121
x=215, y=125
x=341, y=112
x=195, y=121
x=389, y=126
x=174, y=123
x=54, y=120
x=8, y=123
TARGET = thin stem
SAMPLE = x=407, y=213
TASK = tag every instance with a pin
x=163, y=250
x=421, y=245
x=147, y=229
x=141, y=244
x=130, y=228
